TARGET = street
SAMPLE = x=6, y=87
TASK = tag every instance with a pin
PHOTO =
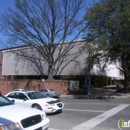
x=91, y=114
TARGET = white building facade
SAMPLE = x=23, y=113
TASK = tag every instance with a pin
x=72, y=65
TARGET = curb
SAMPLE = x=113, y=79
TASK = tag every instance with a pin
x=97, y=96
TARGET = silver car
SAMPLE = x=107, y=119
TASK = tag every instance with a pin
x=46, y=92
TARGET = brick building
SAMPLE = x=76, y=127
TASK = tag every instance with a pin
x=12, y=66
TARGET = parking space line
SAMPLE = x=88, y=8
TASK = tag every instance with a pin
x=82, y=110
x=98, y=119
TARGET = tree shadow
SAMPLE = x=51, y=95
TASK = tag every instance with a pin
x=55, y=113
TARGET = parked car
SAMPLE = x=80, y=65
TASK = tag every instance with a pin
x=36, y=100
x=14, y=117
x=19, y=89
x=46, y=92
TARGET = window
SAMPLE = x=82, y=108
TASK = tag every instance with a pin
x=3, y=100
x=21, y=96
x=12, y=95
x=44, y=90
x=41, y=90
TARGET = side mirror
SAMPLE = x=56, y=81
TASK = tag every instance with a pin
x=25, y=99
x=13, y=101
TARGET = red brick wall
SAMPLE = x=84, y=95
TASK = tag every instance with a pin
x=1, y=58
x=8, y=85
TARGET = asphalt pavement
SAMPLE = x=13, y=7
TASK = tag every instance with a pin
x=91, y=114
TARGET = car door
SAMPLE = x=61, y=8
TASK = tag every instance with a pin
x=22, y=99
x=44, y=92
x=19, y=98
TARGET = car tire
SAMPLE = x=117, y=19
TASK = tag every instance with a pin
x=36, y=106
x=47, y=95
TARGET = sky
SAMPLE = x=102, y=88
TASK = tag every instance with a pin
x=4, y=4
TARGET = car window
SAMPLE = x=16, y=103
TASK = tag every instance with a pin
x=20, y=96
x=41, y=90
x=51, y=89
x=4, y=101
x=11, y=95
x=34, y=95
x=45, y=90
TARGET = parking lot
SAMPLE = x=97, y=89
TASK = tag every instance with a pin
x=86, y=114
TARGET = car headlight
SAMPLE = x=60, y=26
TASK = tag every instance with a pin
x=43, y=116
x=15, y=126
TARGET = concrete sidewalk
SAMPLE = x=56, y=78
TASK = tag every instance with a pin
x=99, y=96
x=105, y=92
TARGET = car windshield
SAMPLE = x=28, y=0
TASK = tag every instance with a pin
x=34, y=95
x=51, y=89
x=5, y=101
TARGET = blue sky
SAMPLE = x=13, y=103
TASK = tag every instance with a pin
x=10, y=3
x=4, y=4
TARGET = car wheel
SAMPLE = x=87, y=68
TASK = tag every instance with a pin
x=47, y=95
x=37, y=106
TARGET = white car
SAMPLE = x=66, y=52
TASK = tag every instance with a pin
x=20, y=90
x=15, y=117
x=36, y=100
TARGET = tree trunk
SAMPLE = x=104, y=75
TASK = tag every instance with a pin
x=126, y=70
x=51, y=72
x=126, y=82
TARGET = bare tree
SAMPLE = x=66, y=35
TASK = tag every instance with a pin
x=45, y=25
